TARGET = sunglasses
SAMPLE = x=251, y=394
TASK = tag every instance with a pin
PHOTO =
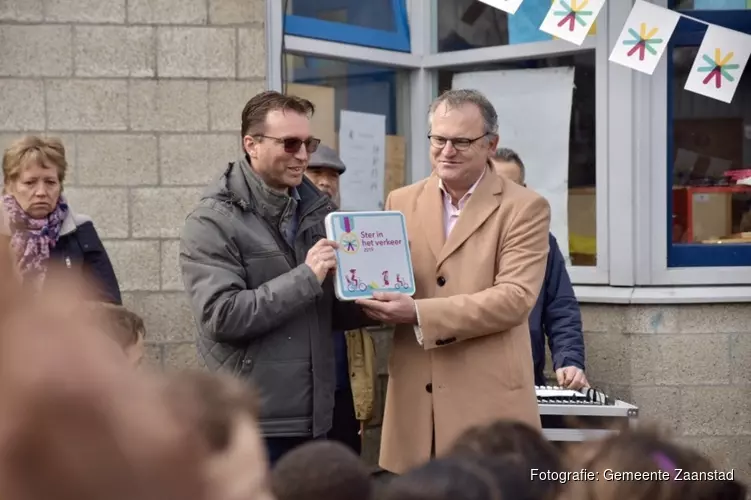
x=292, y=144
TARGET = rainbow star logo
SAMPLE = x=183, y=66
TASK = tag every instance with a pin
x=718, y=68
x=573, y=13
x=642, y=42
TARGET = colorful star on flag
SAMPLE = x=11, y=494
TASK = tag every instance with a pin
x=642, y=42
x=573, y=13
x=571, y=20
x=718, y=68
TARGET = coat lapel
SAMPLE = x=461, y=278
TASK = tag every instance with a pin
x=430, y=215
x=481, y=204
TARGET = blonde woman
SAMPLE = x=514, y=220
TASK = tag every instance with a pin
x=43, y=229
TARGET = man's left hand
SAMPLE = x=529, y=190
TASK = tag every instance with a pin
x=390, y=307
x=571, y=377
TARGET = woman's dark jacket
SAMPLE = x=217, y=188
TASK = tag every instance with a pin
x=79, y=247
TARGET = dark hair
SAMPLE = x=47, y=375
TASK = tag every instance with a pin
x=511, y=156
x=321, y=470
x=517, y=441
x=125, y=326
x=259, y=106
x=444, y=479
x=506, y=437
x=512, y=477
x=459, y=97
x=214, y=401
x=646, y=450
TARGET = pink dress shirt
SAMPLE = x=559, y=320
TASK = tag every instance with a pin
x=451, y=214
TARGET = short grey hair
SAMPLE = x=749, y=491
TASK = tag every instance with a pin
x=511, y=156
x=460, y=97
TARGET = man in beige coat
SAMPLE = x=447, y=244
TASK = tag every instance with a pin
x=461, y=354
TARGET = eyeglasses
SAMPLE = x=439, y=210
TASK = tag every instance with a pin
x=292, y=144
x=459, y=143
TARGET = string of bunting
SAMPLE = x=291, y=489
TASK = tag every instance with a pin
x=716, y=71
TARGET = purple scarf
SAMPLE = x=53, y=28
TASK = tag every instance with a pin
x=32, y=239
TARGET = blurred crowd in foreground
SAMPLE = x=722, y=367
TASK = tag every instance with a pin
x=80, y=422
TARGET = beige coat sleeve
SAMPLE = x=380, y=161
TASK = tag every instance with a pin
x=521, y=269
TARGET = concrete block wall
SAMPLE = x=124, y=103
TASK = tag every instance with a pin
x=686, y=367
x=147, y=96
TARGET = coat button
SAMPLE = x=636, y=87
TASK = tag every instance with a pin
x=441, y=281
x=429, y=388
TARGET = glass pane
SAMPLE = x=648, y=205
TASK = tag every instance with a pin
x=470, y=24
x=580, y=197
x=374, y=14
x=334, y=86
x=711, y=157
x=712, y=4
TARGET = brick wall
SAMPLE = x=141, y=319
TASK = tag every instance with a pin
x=146, y=95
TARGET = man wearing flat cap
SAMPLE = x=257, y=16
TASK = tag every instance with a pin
x=355, y=353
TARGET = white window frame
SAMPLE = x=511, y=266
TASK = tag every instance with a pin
x=435, y=61
x=651, y=199
x=631, y=150
x=631, y=119
x=423, y=65
x=277, y=43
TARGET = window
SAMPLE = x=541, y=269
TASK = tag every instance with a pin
x=709, y=152
x=470, y=24
x=372, y=23
x=712, y=4
x=577, y=232
x=334, y=85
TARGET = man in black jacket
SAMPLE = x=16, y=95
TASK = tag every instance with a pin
x=556, y=313
x=256, y=267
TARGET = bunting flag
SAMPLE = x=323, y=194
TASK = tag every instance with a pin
x=716, y=71
x=644, y=37
x=571, y=20
x=510, y=6
x=719, y=64
x=593, y=29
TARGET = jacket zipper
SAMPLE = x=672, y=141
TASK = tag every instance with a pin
x=321, y=203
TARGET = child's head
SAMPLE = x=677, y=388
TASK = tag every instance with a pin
x=657, y=460
x=81, y=424
x=506, y=437
x=512, y=476
x=445, y=479
x=127, y=329
x=321, y=470
x=223, y=412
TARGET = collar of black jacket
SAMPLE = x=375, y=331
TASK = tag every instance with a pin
x=249, y=192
